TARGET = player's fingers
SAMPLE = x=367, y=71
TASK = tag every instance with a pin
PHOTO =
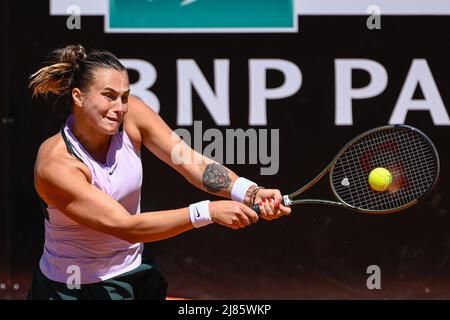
x=249, y=213
x=244, y=219
x=237, y=223
x=240, y=225
x=284, y=210
x=268, y=206
x=275, y=205
x=262, y=209
x=229, y=225
x=277, y=196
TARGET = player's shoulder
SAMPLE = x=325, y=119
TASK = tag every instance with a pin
x=53, y=158
x=139, y=120
x=52, y=149
x=138, y=109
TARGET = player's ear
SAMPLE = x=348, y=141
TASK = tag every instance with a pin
x=77, y=97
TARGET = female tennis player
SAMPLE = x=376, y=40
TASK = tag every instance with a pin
x=89, y=175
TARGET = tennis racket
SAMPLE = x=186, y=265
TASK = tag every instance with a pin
x=406, y=152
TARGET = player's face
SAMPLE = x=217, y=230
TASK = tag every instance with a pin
x=105, y=103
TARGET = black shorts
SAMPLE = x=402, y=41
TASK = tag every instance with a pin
x=145, y=282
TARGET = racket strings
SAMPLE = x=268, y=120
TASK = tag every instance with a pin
x=401, y=183
x=410, y=168
x=404, y=152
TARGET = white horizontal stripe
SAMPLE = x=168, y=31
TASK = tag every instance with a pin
x=302, y=7
x=359, y=7
x=87, y=7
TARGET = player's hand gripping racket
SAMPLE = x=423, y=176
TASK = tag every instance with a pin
x=402, y=163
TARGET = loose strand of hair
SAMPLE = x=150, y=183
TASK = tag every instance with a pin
x=55, y=79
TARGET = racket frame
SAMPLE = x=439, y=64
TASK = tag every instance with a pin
x=288, y=200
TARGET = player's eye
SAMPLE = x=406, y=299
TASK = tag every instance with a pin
x=109, y=96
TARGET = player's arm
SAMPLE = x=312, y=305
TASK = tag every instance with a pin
x=204, y=173
x=63, y=184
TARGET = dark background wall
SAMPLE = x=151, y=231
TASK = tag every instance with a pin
x=317, y=252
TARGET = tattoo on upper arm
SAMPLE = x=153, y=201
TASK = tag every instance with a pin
x=215, y=177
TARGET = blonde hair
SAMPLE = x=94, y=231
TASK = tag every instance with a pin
x=71, y=68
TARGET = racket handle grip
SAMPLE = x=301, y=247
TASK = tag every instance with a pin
x=255, y=207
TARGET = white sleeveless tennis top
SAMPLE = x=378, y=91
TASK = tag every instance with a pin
x=74, y=252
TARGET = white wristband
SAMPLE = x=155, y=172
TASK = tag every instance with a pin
x=240, y=188
x=199, y=214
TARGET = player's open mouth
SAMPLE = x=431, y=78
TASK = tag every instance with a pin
x=112, y=119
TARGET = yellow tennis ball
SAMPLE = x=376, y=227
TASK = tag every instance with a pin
x=380, y=179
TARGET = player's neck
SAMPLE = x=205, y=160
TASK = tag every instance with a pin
x=97, y=144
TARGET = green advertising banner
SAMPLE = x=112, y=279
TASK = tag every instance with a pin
x=223, y=15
